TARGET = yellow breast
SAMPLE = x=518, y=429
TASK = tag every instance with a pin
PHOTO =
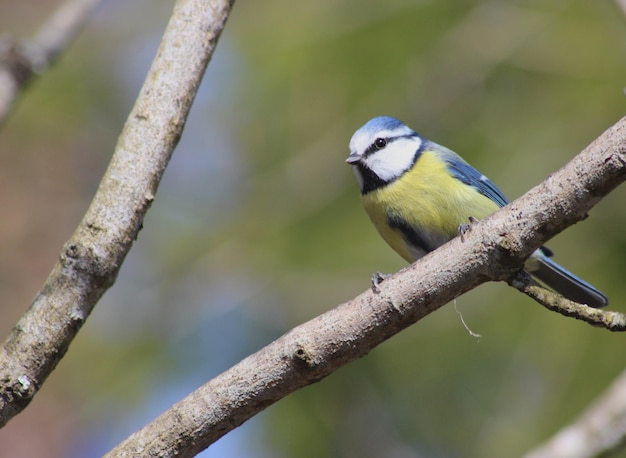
x=429, y=200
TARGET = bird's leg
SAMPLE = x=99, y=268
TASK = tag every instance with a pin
x=377, y=279
x=465, y=228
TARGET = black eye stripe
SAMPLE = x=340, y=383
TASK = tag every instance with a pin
x=376, y=146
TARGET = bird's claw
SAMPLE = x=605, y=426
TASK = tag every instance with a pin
x=377, y=279
x=466, y=228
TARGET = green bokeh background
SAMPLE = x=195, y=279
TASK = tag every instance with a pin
x=257, y=226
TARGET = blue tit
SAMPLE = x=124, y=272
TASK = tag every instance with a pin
x=418, y=194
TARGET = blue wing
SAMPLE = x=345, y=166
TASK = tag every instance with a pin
x=464, y=172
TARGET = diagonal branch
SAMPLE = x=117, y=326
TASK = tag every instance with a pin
x=20, y=62
x=494, y=249
x=600, y=429
x=91, y=259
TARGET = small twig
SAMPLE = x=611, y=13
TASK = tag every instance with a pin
x=21, y=61
x=613, y=321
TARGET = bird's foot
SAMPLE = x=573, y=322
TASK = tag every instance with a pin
x=466, y=228
x=377, y=279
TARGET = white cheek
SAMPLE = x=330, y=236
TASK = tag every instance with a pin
x=395, y=159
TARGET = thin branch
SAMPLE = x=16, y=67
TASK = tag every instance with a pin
x=494, y=249
x=91, y=259
x=613, y=321
x=20, y=62
x=599, y=430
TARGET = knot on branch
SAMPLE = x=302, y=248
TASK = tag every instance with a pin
x=80, y=259
x=19, y=390
x=15, y=60
x=302, y=354
x=509, y=259
x=618, y=160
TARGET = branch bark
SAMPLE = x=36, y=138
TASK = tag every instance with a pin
x=600, y=429
x=20, y=62
x=494, y=249
x=91, y=259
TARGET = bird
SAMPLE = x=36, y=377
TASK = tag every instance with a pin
x=419, y=195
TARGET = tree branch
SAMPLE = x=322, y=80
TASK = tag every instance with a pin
x=600, y=429
x=20, y=62
x=494, y=249
x=91, y=259
x=613, y=321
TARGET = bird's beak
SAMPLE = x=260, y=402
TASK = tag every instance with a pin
x=353, y=158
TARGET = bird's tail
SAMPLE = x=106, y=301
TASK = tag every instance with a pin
x=565, y=282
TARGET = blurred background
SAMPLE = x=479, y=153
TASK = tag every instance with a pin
x=257, y=225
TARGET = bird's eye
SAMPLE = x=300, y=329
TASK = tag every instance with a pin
x=380, y=143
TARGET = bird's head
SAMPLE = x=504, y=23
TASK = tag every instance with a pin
x=381, y=151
